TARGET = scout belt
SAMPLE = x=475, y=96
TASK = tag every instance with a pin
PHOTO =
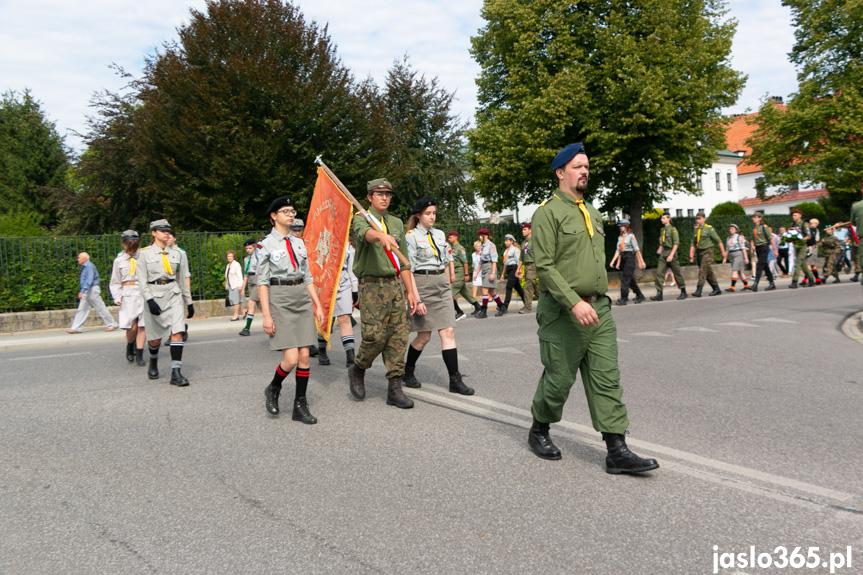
x=378, y=280
x=278, y=282
x=584, y=298
x=429, y=272
x=162, y=282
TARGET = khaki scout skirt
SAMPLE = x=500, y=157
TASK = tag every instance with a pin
x=293, y=316
x=131, y=307
x=736, y=260
x=252, y=284
x=486, y=272
x=436, y=295
x=344, y=303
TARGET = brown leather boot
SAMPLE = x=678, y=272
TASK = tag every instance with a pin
x=395, y=395
x=356, y=377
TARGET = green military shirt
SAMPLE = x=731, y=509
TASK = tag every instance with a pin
x=857, y=216
x=459, y=257
x=527, y=251
x=371, y=260
x=705, y=237
x=569, y=262
x=669, y=237
x=760, y=235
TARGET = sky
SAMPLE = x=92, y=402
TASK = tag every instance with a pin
x=63, y=51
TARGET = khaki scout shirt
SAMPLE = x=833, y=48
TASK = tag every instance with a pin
x=275, y=259
x=527, y=251
x=488, y=252
x=707, y=239
x=370, y=260
x=121, y=272
x=427, y=249
x=150, y=268
x=570, y=264
x=669, y=237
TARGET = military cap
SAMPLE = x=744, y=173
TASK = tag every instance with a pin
x=796, y=212
x=699, y=215
x=566, y=154
x=484, y=232
x=759, y=213
x=525, y=225
x=509, y=237
x=452, y=234
x=735, y=226
x=298, y=224
x=423, y=203
x=623, y=222
x=379, y=185
x=279, y=203
x=131, y=235
x=250, y=242
x=160, y=225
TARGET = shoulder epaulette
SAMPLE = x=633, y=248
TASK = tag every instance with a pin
x=544, y=202
x=410, y=231
x=146, y=247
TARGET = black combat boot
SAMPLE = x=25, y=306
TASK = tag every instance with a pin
x=130, y=352
x=456, y=385
x=770, y=287
x=356, y=377
x=621, y=460
x=697, y=292
x=349, y=361
x=301, y=412
x=313, y=351
x=271, y=393
x=754, y=287
x=639, y=297
x=139, y=357
x=837, y=280
x=683, y=294
x=501, y=310
x=323, y=358
x=409, y=379
x=153, y=370
x=855, y=277
x=621, y=301
x=657, y=297
x=716, y=290
x=177, y=378
x=540, y=442
x=395, y=395
x=476, y=309
x=483, y=312
x=793, y=285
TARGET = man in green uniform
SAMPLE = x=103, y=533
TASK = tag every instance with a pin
x=704, y=240
x=761, y=246
x=576, y=330
x=669, y=242
x=857, y=222
x=527, y=269
x=384, y=320
x=800, y=266
x=461, y=273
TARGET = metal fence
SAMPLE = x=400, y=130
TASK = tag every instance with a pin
x=41, y=273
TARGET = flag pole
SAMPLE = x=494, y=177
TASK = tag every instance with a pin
x=362, y=211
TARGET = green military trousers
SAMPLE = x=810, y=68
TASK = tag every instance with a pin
x=801, y=267
x=663, y=265
x=383, y=324
x=529, y=283
x=705, y=267
x=565, y=348
x=459, y=288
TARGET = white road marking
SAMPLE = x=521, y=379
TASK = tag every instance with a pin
x=214, y=341
x=653, y=334
x=49, y=356
x=706, y=329
x=775, y=320
x=739, y=324
x=621, y=340
x=506, y=350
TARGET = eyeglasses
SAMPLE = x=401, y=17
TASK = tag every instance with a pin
x=287, y=212
x=384, y=194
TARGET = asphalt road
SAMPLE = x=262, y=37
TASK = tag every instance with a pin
x=751, y=403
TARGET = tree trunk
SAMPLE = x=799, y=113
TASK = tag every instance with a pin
x=636, y=206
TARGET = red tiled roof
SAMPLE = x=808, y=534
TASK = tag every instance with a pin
x=795, y=196
x=737, y=131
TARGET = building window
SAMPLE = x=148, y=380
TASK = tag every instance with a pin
x=718, y=187
x=679, y=213
x=699, y=185
x=728, y=180
x=690, y=213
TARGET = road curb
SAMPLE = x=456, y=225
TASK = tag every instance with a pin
x=852, y=327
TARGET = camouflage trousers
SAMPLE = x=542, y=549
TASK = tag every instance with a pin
x=459, y=288
x=854, y=258
x=529, y=283
x=705, y=267
x=830, y=264
x=384, y=325
x=662, y=267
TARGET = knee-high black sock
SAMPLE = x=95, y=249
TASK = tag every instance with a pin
x=302, y=375
x=176, y=354
x=279, y=377
x=154, y=351
x=413, y=356
x=455, y=305
x=450, y=358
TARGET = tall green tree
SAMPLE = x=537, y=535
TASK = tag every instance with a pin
x=33, y=158
x=427, y=144
x=817, y=136
x=641, y=83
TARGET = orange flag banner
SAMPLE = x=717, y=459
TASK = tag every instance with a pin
x=326, y=237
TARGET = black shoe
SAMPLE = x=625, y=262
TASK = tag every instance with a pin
x=483, y=313
x=730, y=289
x=837, y=280
x=657, y=297
x=356, y=379
x=476, y=309
x=621, y=460
x=456, y=385
x=501, y=310
x=793, y=285
x=323, y=358
x=697, y=292
x=855, y=277
x=753, y=288
x=621, y=301
x=460, y=315
x=395, y=395
x=301, y=412
x=153, y=370
x=313, y=351
x=139, y=357
x=130, y=352
x=244, y=331
x=409, y=378
x=639, y=298
x=177, y=378
x=349, y=355
x=770, y=287
x=716, y=291
x=683, y=294
x=540, y=442
x=271, y=393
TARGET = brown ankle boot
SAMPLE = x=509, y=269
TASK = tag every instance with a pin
x=395, y=395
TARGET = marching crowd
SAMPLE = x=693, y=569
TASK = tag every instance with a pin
x=407, y=279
